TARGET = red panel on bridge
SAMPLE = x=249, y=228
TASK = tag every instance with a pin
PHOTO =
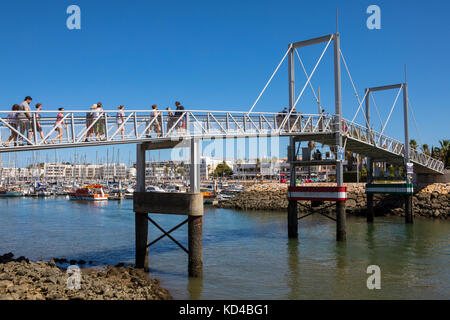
x=318, y=193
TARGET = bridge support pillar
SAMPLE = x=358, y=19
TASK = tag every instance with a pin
x=292, y=220
x=292, y=206
x=141, y=233
x=341, y=233
x=195, y=223
x=140, y=218
x=183, y=203
x=409, y=210
x=195, y=256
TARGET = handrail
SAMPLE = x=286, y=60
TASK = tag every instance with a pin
x=140, y=125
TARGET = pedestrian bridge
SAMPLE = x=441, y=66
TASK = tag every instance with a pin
x=139, y=126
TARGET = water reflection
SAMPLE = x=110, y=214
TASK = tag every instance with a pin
x=294, y=268
x=195, y=288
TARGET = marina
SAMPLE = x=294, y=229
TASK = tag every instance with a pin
x=226, y=151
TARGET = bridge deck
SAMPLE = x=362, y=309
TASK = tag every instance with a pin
x=142, y=126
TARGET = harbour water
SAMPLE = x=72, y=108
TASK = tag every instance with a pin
x=246, y=254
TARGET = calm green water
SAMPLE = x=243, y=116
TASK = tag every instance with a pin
x=246, y=254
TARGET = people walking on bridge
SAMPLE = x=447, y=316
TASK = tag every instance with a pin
x=12, y=121
x=295, y=120
x=99, y=126
x=120, y=119
x=322, y=120
x=89, y=121
x=24, y=118
x=59, y=126
x=154, y=122
x=170, y=119
x=38, y=122
x=179, y=114
x=281, y=115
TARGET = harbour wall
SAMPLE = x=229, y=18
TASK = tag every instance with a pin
x=429, y=200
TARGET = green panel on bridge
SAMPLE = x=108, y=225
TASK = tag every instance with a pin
x=390, y=188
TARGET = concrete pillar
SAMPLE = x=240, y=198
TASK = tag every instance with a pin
x=195, y=235
x=195, y=223
x=140, y=218
x=141, y=233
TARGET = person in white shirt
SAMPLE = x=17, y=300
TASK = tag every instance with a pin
x=120, y=118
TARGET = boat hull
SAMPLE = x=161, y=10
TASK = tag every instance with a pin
x=12, y=194
x=87, y=198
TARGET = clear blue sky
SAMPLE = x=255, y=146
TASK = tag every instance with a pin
x=219, y=54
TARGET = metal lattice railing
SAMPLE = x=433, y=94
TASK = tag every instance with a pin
x=107, y=127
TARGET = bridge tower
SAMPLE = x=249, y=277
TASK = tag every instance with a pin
x=334, y=194
x=404, y=189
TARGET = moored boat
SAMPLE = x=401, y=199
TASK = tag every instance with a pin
x=14, y=192
x=89, y=193
x=209, y=194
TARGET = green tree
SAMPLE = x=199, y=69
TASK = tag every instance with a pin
x=223, y=170
x=444, y=152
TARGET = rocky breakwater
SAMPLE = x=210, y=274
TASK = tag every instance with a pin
x=21, y=279
x=429, y=200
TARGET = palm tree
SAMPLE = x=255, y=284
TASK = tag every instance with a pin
x=435, y=152
x=445, y=151
x=413, y=144
x=426, y=149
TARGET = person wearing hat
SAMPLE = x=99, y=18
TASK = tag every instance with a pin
x=89, y=121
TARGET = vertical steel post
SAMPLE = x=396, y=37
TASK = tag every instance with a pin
x=195, y=223
x=340, y=205
x=72, y=125
x=140, y=218
x=35, y=128
x=292, y=206
x=369, y=200
x=409, y=211
x=106, y=127
x=367, y=101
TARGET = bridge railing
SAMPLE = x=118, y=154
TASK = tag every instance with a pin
x=37, y=128
x=384, y=142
